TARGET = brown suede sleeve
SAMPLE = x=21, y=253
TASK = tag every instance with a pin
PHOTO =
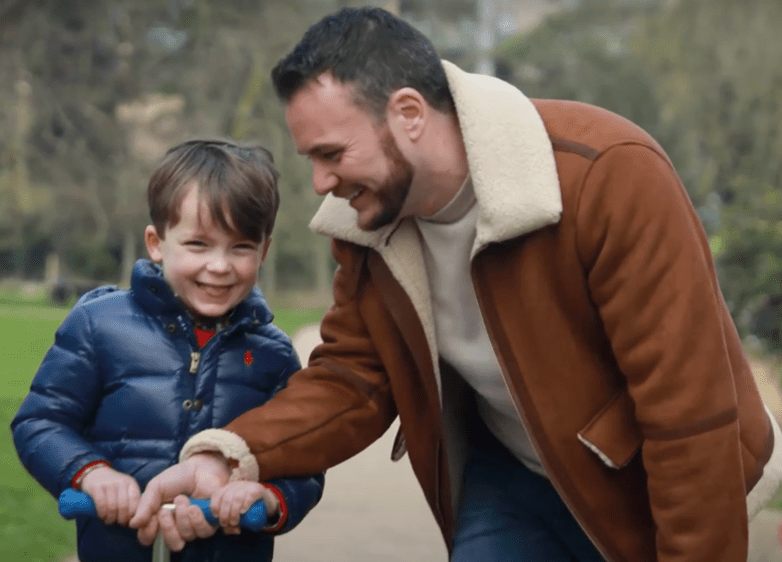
x=339, y=404
x=652, y=278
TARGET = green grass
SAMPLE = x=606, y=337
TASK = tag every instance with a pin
x=17, y=296
x=30, y=527
x=290, y=320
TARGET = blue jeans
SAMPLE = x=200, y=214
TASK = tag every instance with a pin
x=509, y=513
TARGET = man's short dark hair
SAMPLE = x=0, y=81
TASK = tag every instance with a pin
x=371, y=50
x=237, y=182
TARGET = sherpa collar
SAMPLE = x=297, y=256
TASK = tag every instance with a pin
x=510, y=159
x=514, y=175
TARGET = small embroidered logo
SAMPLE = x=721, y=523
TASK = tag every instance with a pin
x=248, y=357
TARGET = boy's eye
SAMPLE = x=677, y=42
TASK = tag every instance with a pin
x=195, y=243
x=247, y=246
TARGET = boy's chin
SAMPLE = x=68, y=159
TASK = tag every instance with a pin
x=211, y=312
x=205, y=308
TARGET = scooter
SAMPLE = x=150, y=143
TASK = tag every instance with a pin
x=73, y=503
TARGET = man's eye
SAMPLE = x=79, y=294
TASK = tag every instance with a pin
x=332, y=155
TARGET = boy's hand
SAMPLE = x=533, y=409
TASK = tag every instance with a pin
x=186, y=523
x=115, y=494
x=235, y=498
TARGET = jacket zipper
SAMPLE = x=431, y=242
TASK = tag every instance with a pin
x=195, y=356
x=523, y=420
x=195, y=359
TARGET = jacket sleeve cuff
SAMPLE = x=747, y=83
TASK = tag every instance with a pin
x=283, y=519
x=230, y=445
x=85, y=470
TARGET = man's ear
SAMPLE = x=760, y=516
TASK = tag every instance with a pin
x=152, y=241
x=408, y=110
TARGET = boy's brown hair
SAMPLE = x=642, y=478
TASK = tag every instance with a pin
x=237, y=182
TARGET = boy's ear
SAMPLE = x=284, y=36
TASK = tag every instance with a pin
x=265, y=248
x=152, y=240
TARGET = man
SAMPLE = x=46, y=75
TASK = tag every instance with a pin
x=526, y=284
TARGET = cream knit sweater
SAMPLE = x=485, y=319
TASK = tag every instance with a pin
x=461, y=336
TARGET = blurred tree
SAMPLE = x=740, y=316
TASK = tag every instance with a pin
x=585, y=54
x=719, y=85
x=69, y=55
x=98, y=78
x=702, y=76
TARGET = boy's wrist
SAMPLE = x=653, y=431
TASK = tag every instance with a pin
x=278, y=519
x=78, y=478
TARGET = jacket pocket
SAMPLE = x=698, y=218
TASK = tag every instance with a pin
x=613, y=434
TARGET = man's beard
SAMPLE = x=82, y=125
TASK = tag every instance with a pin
x=393, y=193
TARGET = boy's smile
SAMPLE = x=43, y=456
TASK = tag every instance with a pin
x=210, y=270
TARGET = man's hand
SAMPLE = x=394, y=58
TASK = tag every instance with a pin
x=115, y=494
x=198, y=477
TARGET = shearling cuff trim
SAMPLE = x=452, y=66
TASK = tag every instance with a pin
x=230, y=445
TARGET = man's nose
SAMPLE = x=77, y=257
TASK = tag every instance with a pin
x=323, y=180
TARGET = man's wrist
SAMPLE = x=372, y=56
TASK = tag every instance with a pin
x=232, y=448
x=216, y=456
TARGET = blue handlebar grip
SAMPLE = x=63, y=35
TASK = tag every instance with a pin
x=253, y=520
x=74, y=503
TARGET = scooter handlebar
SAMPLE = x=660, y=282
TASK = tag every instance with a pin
x=73, y=503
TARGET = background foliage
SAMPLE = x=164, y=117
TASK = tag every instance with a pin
x=92, y=93
x=702, y=76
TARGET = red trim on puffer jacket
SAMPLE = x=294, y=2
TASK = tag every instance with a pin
x=76, y=481
x=283, y=510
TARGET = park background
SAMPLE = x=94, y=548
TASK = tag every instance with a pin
x=92, y=94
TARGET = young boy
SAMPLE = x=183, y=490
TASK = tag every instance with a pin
x=134, y=373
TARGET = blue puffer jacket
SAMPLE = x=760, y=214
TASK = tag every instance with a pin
x=126, y=382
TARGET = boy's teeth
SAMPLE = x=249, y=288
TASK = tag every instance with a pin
x=214, y=291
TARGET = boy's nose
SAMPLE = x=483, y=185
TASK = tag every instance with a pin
x=218, y=264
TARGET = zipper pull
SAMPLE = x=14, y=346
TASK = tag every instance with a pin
x=195, y=359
